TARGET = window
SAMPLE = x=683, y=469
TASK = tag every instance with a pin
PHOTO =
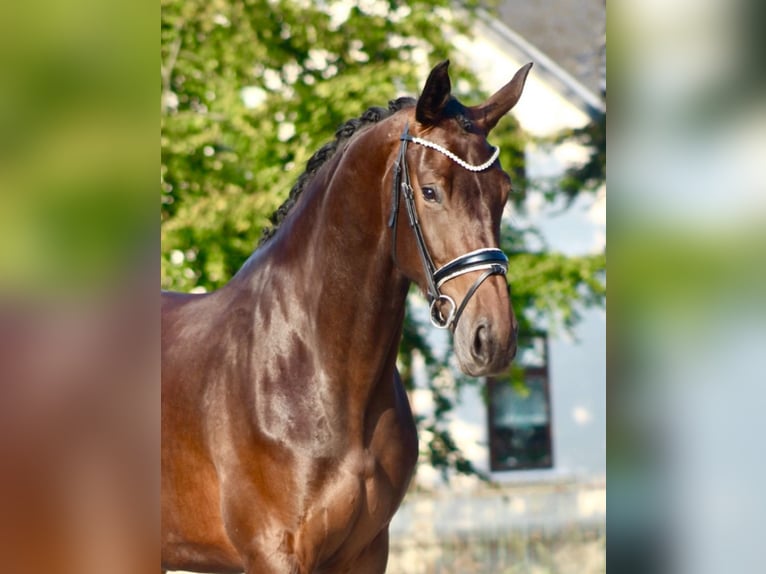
x=520, y=411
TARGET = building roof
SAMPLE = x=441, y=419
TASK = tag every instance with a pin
x=572, y=33
x=546, y=69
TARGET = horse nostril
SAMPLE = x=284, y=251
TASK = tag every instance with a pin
x=480, y=348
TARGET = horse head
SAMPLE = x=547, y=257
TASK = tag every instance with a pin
x=454, y=190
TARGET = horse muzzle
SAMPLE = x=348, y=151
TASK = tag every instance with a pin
x=485, y=343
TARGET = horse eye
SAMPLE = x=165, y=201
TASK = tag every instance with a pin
x=429, y=194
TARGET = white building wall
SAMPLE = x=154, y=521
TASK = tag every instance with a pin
x=578, y=400
x=577, y=375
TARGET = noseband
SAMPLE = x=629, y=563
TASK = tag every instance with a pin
x=492, y=261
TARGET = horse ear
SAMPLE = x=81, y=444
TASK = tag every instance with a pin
x=489, y=113
x=435, y=96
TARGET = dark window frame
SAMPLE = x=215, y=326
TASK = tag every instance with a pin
x=531, y=372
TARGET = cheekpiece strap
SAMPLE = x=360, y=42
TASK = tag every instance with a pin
x=444, y=313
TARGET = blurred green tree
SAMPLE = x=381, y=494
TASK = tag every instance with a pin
x=251, y=88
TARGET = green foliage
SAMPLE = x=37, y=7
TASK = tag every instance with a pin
x=251, y=88
x=227, y=166
x=555, y=286
x=592, y=173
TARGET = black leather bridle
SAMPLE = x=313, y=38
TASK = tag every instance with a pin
x=493, y=261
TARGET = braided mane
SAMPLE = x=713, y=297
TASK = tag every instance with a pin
x=344, y=133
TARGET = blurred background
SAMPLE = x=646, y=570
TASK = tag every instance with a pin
x=79, y=322
x=686, y=384
x=512, y=470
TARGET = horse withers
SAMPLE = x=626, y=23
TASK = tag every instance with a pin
x=287, y=437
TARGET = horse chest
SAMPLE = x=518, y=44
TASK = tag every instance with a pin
x=348, y=511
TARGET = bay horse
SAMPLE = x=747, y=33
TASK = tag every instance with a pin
x=287, y=437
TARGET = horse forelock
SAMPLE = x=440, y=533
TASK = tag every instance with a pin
x=322, y=156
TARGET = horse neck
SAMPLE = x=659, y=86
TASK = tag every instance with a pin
x=329, y=269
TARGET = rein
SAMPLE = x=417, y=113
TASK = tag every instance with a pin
x=493, y=261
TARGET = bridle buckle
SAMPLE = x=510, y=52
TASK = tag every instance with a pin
x=437, y=319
